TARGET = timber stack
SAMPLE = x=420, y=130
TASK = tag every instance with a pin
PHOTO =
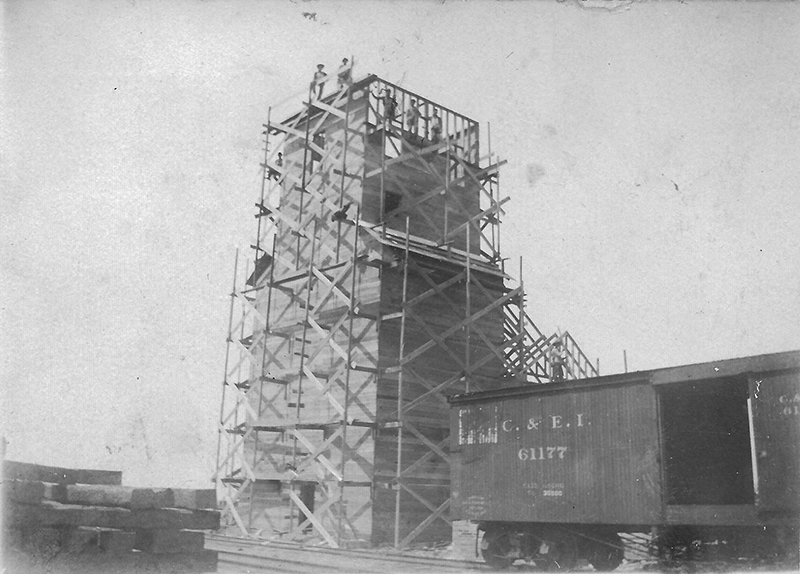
x=70, y=520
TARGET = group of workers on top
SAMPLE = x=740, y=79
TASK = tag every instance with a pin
x=344, y=78
x=413, y=115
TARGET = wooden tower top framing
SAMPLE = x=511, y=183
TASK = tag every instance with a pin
x=405, y=157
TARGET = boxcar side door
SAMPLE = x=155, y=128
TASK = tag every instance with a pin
x=775, y=418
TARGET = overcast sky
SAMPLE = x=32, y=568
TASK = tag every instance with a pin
x=652, y=168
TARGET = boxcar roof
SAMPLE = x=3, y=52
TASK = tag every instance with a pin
x=695, y=372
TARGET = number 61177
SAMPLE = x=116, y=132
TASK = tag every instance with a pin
x=542, y=452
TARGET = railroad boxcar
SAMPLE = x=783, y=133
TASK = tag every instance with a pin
x=704, y=459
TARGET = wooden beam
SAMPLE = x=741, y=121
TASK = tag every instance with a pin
x=49, y=513
x=330, y=109
x=313, y=519
x=424, y=396
x=425, y=523
x=457, y=310
x=316, y=452
x=476, y=217
x=13, y=470
x=424, y=347
x=435, y=448
x=229, y=506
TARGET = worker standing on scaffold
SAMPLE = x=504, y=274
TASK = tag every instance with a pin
x=557, y=361
x=412, y=117
x=319, y=81
x=345, y=74
x=389, y=105
x=436, y=126
x=273, y=173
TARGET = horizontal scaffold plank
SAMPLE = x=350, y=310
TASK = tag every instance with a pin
x=310, y=426
x=288, y=479
x=290, y=426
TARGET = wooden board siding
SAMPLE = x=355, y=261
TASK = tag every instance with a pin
x=439, y=313
x=560, y=457
x=435, y=469
x=412, y=513
x=431, y=477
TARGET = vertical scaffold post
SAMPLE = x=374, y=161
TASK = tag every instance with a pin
x=258, y=249
x=467, y=331
x=446, y=194
x=404, y=302
x=241, y=338
x=497, y=247
x=301, y=370
x=522, y=355
x=303, y=178
x=383, y=167
x=263, y=369
x=344, y=169
x=350, y=319
x=225, y=382
x=267, y=175
x=494, y=202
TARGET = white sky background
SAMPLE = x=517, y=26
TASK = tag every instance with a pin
x=653, y=174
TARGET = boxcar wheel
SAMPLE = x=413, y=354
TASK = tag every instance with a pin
x=496, y=547
x=606, y=553
x=562, y=553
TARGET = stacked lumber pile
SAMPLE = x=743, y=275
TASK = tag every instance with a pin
x=67, y=520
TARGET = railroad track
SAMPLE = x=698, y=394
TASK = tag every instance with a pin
x=247, y=556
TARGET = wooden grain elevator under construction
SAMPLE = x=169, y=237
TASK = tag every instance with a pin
x=375, y=290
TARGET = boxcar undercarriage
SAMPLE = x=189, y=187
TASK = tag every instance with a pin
x=562, y=546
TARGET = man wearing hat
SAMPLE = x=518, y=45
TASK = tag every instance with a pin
x=319, y=80
x=345, y=74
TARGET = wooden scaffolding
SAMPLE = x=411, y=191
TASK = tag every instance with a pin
x=376, y=290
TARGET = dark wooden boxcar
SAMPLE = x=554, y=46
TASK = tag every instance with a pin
x=704, y=457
